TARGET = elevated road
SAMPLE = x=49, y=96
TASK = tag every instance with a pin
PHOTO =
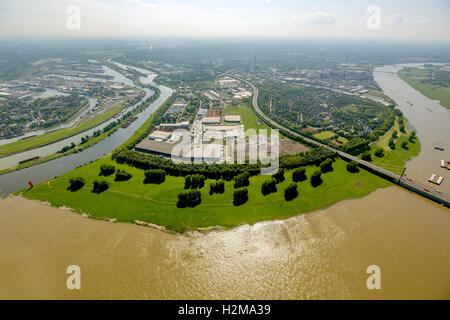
x=409, y=184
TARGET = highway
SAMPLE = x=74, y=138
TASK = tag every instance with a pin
x=409, y=184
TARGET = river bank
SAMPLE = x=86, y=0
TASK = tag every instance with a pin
x=427, y=117
x=323, y=255
x=51, y=167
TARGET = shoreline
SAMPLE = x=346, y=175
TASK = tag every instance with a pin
x=123, y=261
x=210, y=229
x=203, y=230
x=79, y=148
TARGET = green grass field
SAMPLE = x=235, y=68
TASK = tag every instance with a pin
x=328, y=135
x=42, y=140
x=433, y=92
x=325, y=135
x=248, y=117
x=381, y=95
x=133, y=200
x=394, y=160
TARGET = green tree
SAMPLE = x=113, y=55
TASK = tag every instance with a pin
x=352, y=167
x=291, y=192
x=240, y=197
x=316, y=179
x=379, y=152
x=155, y=176
x=122, y=175
x=189, y=199
x=299, y=175
x=392, y=144
x=76, y=184
x=279, y=176
x=242, y=180
x=269, y=186
x=107, y=170
x=217, y=187
x=326, y=166
x=100, y=186
x=366, y=156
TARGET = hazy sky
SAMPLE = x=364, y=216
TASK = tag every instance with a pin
x=414, y=19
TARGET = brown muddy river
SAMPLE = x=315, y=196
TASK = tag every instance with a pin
x=323, y=255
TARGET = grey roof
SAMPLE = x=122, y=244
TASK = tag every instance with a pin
x=160, y=147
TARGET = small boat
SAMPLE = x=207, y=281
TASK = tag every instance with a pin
x=439, y=146
x=436, y=179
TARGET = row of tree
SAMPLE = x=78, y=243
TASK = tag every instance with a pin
x=195, y=181
x=213, y=171
x=217, y=187
x=156, y=176
x=189, y=199
x=242, y=180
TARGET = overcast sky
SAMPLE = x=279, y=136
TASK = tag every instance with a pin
x=400, y=19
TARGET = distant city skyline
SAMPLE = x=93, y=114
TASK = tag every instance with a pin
x=411, y=20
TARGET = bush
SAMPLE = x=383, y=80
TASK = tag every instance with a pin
x=189, y=199
x=291, y=192
x=299, y=175
x=214, y=171
x=217, y=187
x=242, y=180
x=156, y=176
x=122, y=175
x=356, y=146
x=279, y=176
x=352, y=167
x=395, y=134
x=100, y=186
x=404, y=145
x=326, y=166
x=379, y=152
x=316, y=179
x=240, y=197
x=269, y=186
x=107, y=170
x=412, y=137
x=366, y=156
x=311, y=157
x=392, y=144
x=194, y=181
x=76, y=184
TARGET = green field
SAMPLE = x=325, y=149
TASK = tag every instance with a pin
x=248, y=117
x=133, y=200
x=381, y=95
x=433, y=92
x=394, y=160
x=328, y=135
x=325, y=135
x=44, y=139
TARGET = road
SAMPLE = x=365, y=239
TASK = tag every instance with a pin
x=409, y=184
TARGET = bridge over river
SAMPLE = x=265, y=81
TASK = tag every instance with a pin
x=407, y=183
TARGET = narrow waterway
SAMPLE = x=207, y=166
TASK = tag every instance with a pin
x=18, y=180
